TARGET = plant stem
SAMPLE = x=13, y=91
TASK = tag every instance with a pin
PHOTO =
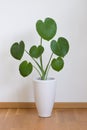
x=41, y=55
x=47, y=72
x=47, y=67
x=37, y=71
x=35, y=62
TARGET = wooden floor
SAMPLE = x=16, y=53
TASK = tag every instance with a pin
x=27, y=119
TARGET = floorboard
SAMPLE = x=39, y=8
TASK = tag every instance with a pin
x=27, y=119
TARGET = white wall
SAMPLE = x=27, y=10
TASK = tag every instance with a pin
x=17, y=22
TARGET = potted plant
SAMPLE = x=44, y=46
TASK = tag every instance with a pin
x=44, y=86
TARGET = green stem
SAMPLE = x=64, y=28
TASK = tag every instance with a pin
x=41, y=55
x=47, y=72
x=47, y=67
x=37, y=71
x=35, y=62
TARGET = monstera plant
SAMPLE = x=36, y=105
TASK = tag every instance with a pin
x=47, y=30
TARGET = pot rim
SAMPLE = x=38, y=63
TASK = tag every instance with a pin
x=49, y=79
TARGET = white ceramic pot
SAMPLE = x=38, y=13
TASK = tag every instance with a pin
x=44, y=91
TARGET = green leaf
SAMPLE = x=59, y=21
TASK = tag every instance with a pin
x=57, y=64
x=17, y=50
x=61, y=47
x=46, y=29
x=25, y=68
x=36, y=51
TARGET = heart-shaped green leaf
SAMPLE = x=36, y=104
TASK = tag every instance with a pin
x=46, y=29
x=25, y=68
x=17, y=50
x=57, y=64
x=36, y=51
x=61, y=47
